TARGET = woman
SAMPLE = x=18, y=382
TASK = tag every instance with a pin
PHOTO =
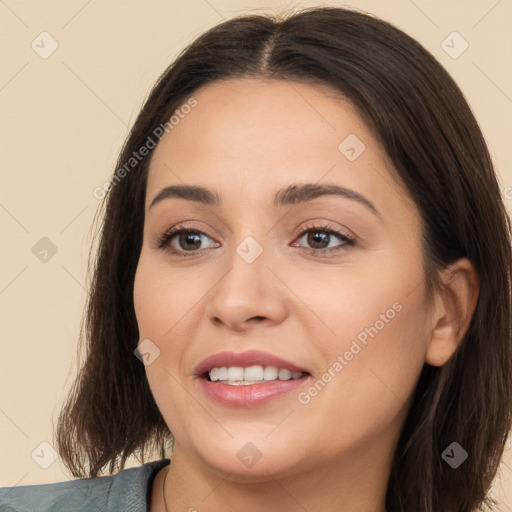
x=304, y=277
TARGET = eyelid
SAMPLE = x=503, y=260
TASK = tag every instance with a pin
x=320, y=225
x=162, y=241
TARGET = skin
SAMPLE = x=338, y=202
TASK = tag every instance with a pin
x=246, y=139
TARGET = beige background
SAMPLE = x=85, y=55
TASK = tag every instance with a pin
x=63, y=121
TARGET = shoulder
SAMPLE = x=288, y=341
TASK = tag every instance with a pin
x=128, y=490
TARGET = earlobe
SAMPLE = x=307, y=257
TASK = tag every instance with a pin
x=454, y=306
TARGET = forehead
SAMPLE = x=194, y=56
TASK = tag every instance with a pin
x=251, y=134
x=261, y=117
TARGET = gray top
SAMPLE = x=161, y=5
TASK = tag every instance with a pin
x=127, y=491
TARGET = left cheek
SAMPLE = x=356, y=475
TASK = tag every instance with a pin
x=379, y=376
x=373, y=325
x=393, y=358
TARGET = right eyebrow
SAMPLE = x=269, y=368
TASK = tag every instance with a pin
x=189, y=192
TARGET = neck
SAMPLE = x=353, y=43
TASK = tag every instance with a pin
x=355, y=481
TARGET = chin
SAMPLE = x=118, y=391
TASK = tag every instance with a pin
x=250, y=458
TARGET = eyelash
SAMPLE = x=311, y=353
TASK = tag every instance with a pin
x=162, y=241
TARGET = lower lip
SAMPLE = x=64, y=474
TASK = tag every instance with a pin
x=249, y=395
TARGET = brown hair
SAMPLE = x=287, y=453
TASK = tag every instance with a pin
x=425, y=125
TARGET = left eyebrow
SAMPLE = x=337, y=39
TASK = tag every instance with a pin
x=291, y=195
x=295, y=194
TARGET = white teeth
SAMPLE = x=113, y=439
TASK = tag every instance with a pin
x=270, y=373
x=236, y=375
x=284, y=375
x=253, y=373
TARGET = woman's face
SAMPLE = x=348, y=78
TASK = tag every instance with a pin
x=242, y=292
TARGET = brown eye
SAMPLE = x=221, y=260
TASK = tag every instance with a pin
x=322, y=239
x=188, y=240
x=179, y=241
x=318, y=239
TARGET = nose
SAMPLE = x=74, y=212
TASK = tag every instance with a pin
x=249, y=293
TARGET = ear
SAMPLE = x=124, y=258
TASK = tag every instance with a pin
x=454, y=306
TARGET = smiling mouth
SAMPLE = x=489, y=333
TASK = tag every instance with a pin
x=249, y=379
x=250, y=375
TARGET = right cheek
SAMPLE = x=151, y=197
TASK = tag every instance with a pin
x=145, y=288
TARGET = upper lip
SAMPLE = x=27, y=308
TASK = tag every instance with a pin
x=245, y=359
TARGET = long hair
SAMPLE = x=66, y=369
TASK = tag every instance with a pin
x=430, y=135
